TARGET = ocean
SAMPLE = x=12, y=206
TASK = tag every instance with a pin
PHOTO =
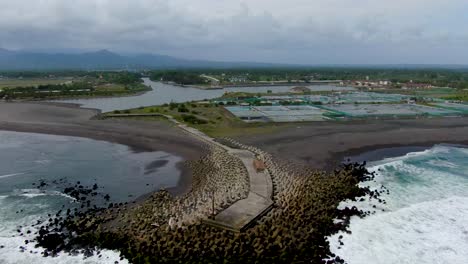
x=423, y=220
x=425, y=215
x=59, y=161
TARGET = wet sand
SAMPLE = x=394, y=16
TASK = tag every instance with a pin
x=320, y=145
x=70, y=120
x=323, y=145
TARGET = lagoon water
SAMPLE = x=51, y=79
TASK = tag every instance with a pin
x=425, y=218
x=25, y=159
x=164, y=93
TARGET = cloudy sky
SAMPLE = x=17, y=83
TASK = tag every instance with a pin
x=292, y=31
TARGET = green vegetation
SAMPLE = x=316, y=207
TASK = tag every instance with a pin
x=179, y=77
x=71, y=85
x=459, y=96
x=455, y=78
x=12, y=83
x=442, y=93
x=208, y=117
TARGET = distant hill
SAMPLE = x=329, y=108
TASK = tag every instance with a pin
x=105, y=60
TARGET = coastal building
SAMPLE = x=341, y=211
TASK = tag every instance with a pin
x=413, y=85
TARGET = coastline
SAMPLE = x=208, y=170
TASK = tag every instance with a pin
x=421, y=193
x=323, y=146
x=376, y=154
x=345, y=138
x=71, y=120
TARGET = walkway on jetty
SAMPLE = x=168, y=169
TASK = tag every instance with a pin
x=242, y=213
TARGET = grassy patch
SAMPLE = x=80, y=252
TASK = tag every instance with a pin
x=212, y=119
x=72, y=90
x=459, y=96
x=433, y=92
x=13, y=83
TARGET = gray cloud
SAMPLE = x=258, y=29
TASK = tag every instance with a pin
x=294, y=31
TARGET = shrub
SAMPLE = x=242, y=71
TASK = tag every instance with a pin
x=193, y=120
x=173, y=106
x=182, y=109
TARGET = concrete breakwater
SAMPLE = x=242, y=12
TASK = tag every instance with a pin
x=219, y=180
x=166, y=229
x=241, y=213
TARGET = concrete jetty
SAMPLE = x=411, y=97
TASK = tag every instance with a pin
x=242, y=213
x=239, y=215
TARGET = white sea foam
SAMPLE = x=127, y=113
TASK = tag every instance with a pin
x=429, y=232
x=424, y=218
x=11, y=254
x=11, y=175
x=42, y=162
x=33, y=193
x=11, y=242
x=111, y=166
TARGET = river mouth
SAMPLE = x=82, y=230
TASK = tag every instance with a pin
x=162, y=93
x=35, y=169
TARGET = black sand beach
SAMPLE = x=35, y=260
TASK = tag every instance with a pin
x=320, y=145
x=70, y=120
x=323, y=145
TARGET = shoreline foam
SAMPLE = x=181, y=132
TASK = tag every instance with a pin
x=422, y=220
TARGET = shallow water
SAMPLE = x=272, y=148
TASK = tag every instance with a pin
x=163, y=93
x=25, y=159
x=425, y=215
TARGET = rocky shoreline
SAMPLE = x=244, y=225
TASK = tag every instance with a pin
x=167, y=229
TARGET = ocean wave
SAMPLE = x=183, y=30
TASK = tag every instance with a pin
x=12, y=254
x=443, y=163
x=424, y=217
x=16, y=251
x=434, y=151
x=429, y=232
x=11, y=175
x=32, y=193
x=43, y=162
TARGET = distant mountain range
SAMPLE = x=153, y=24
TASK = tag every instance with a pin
x=105, y=60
